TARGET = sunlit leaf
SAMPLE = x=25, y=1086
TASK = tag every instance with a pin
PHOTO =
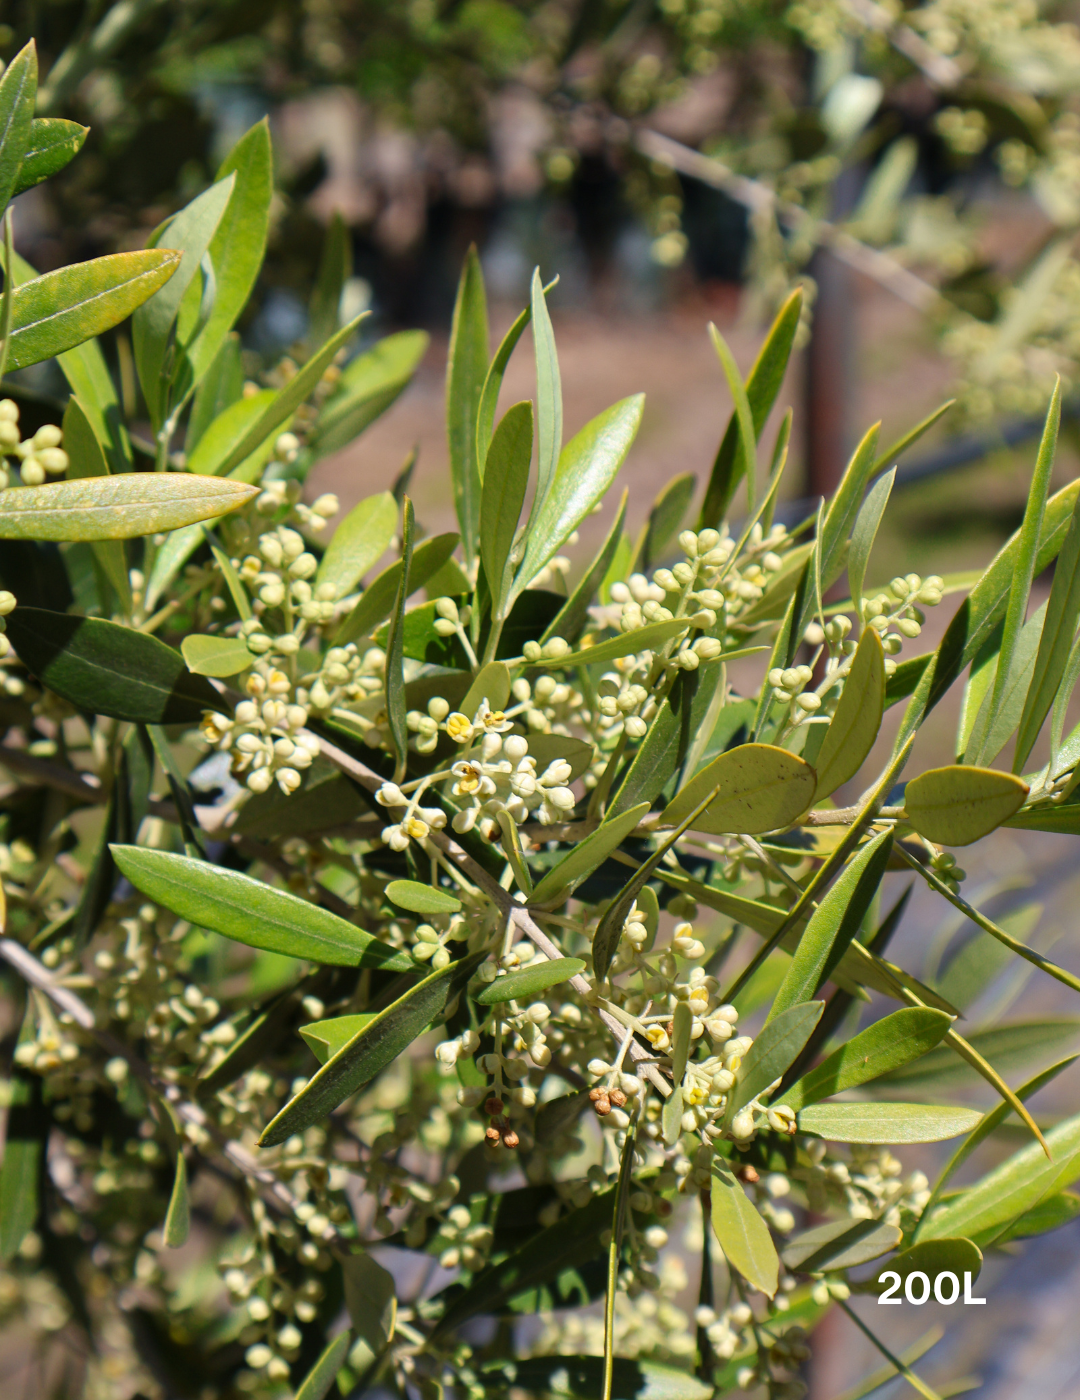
x=762, y=788
x=115, y=507
x=855, y=724
x=886, y=1122
x=741, y=1233
x=959, y=804
x=422, y=899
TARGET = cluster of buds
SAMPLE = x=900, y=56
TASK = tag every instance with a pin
x=466, y=1243
x=39, y=456
x=266, y=735
x=415, y=824
x=7, y=605
x=498, y=1131
x=897, y=608
x=789, y=685
x=944, y=863
x=279, y=577
x=725, y=1330
x=503, y=778
x=603, y=1099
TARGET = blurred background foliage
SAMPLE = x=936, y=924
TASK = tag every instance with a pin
x=636, y=147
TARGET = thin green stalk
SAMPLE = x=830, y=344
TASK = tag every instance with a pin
x=907, y=1373
x=622, y=1194
x=9, y=287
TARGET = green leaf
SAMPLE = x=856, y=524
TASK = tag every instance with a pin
x=394, y=669
x=1011, y=1045
x=237, y=248
x=369, y=384
x=53, y=142
x=986, y=1210
x=529, y=982
x=466, y=370
x=843, y=509
x=316, y=1384
x=742, y=1234
x=549, y=407
x=288, y=399
x=887, y=1122
x=105, y=669
x=840, y=1244
x=648, y=638
x=834, y=923
x=251, y=912
x=335, y=269
x=762, y=788
x=762, y=387
x=996, y=735
x=1051, y=1214
x=87, y=459
x=61, y=309
x=489, y=397
x=216, y=445
x=863, y=536
x=683, y=1022
x=671, y=1116
x=369, y=1051
x=506, y=480
x=492, y=683
x=1055, y=643
x=582, y=1377
x=18, y=91
x=546, y=748
x=562, y=879
x=587, y=466
x=25, y=1136
x=959, y=804
x=326, y=799
x=115, y=507
x=216, y=656
x=178, y=1217
x=667, y=744
x=189, y=232
x=325, y=1038
x=912, y=436
x=370, y=1299
x=855, y=724
x=893, y=1041
x=422, y=899
x=933, y=1257
x=774, y=1048
x=221, y=386
x=361, y=538
x=570, y=620
x=1024, y=572
x=746, y=455
x=665, y=517
x=377, y=599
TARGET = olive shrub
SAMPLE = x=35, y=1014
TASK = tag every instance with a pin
x=500, y=926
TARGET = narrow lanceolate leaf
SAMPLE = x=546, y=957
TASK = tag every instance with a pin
x=910, y=438
x=105, y=669
x=886, y=1122
x=369, y=384
x=372, y=1048
x=863, y=537
x=746, y=454
x=665, y=517
x=586, y=468
x=548, y=400
x=762, y=387
x=571, y=618
x=1010, y=707
x=61, y=309
x=422, y=899
x=1024, y=572
x=21, y=1171
x=886, y=1045
x=316, y=1384
x=226, y=431
x=489, y=397
x=287, y=400
x=773, y=1050
x=394, y=672
x=530, y=981
x=841, y=1244
x=762, y=788
x=834, y=923
x=562, y=879
x=502, y=496
x=843, y=508
x=115, y=507
x=741, y=1233
x=371, y=1300
x=216, y=656
x=648, y=638
x=957, y=805
x=178, y=1217
x=855, y=724
x=1055, y=644
x=377, y=599
x=53, y=143
x=189, y=232
x=325, y=1038
x=86, y=458
x=252, y=912
x=985, y=1210
x=18, y=90
x=933, y=1257
x=466, y=370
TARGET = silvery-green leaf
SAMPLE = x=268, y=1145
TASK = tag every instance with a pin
x=115, y=507
x=887, y=1122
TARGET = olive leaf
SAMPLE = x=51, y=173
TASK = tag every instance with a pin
x=377, y=600
x=741, y=1233
x=217, y=443
x=422, y=899
x=840, y=1244
x=52, y=144
x=774, y=1048
x=762, y=788
x=115, y=507
x=359, y=540
x=895, y=1040
x=216, y=656
x=371, y=1300
x=375, y=1045
x=886, y=1122
x=466, y=371
x=316, y=1384
x=252, y=912
x=959, y=804
x=529, y=982
x=933, y=1257
x=857, y=719
x=561, y=880
x=369, y=384
x=18, y=90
